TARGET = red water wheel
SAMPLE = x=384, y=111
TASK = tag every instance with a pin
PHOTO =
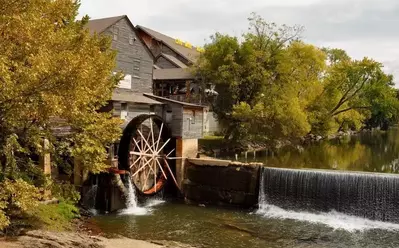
x=145, y=151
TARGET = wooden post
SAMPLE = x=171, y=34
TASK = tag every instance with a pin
x=188, y=91
x=45, y=158
x=185, y=148
x=45, y=164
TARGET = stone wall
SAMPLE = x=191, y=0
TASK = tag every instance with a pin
x=220, y=182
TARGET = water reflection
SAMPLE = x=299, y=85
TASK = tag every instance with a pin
x=371, y=152
x=222, y=228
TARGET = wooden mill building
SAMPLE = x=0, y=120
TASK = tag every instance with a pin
x=154, y=70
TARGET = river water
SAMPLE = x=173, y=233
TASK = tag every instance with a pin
x=269, y=225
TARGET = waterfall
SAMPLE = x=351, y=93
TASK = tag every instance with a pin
x=132, y=206
x=90, y=198
x=367, y=195
x=131, y=201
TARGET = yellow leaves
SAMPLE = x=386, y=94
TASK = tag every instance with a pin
x=50, y=66
x=16, y=194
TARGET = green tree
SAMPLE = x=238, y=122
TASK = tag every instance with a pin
x=353, y=90
x=50, y=66
x=273, y=86
x=241, y=71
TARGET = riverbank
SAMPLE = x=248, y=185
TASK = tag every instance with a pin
x=217, y=146
x=61, y=225
x=45, y=239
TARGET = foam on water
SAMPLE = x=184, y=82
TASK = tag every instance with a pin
x=93, y=211
x=132, y=204
x=154, y=202
x=332, y=219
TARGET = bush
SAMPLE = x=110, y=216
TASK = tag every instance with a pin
x=16, y=196
x=65, y=192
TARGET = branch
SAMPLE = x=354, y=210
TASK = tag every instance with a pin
x=347, y=109
x=344, y=98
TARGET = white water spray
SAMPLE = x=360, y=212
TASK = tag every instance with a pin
x=332, y=218
x=131, y=197
x=132, y=205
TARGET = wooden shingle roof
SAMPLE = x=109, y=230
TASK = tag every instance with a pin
x=191, y=54
x=123, y=96
x=173, y=60
x=100, y=25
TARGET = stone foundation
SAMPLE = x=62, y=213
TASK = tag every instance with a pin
x=220, y=182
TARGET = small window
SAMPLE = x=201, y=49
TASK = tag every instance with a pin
x=131, y=39
x=193, y=118
x=124, y=106
x=115, y=33
x=124, y=112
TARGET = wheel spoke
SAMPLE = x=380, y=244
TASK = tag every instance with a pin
x=160, y=167
x=148, y=145
x=148, y=157
x=171, y=173
x=159, y=137
x=163, y=146
x=141, y=168
x=155, y=175
x=170, y=153
x=152, y=132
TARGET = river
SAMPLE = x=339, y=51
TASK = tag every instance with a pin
x=271, y=226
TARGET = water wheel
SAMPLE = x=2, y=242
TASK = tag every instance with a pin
x=145, y=151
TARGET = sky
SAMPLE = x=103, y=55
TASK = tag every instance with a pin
x=364, y=28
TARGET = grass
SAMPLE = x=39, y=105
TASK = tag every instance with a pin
x=52, y=217
x=213, y=137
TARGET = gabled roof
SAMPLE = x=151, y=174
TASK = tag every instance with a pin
x=191, y=54
x=173, y=60
x=172, y=74
x=124, y=96
x=100, y=25
x=163, y=99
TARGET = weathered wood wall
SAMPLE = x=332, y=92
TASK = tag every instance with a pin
x=133, y=110
x=193, y=123
x=133, y=59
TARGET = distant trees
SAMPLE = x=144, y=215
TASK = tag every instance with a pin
x=50, y=66
x=273, y=86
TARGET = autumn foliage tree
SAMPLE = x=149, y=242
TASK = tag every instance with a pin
x=50, y=68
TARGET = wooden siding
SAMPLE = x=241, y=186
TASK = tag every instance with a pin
x=172, y=114
x=193, y=123
x=177, y=119
x=133, y=110
x=165, y=64
x=133, y=59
